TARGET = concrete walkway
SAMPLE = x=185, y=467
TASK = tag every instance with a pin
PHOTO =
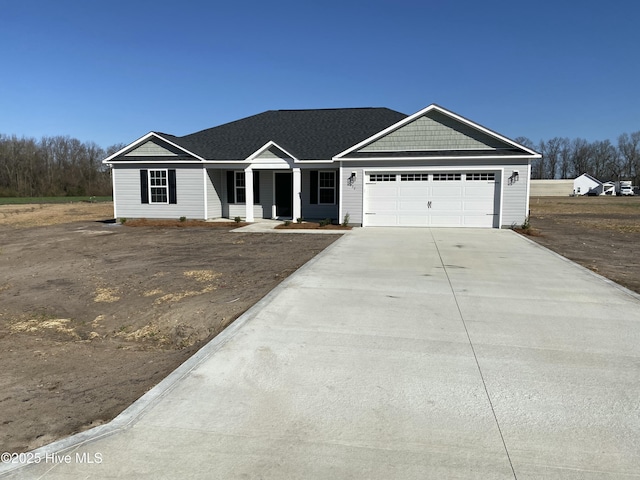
x=396, y=353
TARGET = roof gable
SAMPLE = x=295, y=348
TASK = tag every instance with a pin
x=435, y=131
x=153, y=146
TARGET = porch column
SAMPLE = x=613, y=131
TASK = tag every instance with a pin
x=297, y=194
x=248, y=194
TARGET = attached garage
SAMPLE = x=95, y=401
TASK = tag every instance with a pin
x=431, y=199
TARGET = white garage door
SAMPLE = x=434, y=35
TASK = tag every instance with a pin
x=441, y=199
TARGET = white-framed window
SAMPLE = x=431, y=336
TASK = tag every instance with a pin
x=382, y=177
x=239, y=187
x=446, y=177
x=414, y=177
x=158, y=186
x=489, y=176
x=326, y=187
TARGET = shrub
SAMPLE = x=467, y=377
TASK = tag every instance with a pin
x=183, y=219
x=237, y=219
x=123, y=220
x=287, y=223
x=345, y=221
x=325, y=222
x=299, y=220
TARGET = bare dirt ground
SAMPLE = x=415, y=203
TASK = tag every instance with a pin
x=601, y=233
x=94, y=314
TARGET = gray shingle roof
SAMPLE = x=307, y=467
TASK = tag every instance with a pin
x=306, y=134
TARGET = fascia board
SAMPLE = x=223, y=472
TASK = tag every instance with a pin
x=444, y=111
x=267, y=146
x=504, y=157
x=143, y=139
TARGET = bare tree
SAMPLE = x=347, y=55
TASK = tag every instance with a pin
x=629, y=149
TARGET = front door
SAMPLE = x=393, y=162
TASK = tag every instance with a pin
x=284, y=194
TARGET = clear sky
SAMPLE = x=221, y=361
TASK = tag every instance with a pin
x=111, y=71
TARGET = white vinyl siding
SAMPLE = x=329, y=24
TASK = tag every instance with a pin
x=189, y=186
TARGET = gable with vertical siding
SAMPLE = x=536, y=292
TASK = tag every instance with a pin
x=435, y=131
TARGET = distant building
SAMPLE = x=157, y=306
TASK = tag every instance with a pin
x=585, y=184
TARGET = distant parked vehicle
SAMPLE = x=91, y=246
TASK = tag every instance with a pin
x=623, y=187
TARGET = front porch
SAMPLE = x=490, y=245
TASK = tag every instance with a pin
x=260, y=193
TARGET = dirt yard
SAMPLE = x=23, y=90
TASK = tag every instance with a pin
x=601, y=233
x=94, y=314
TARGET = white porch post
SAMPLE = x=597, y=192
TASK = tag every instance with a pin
x=248, y=194
x=297, y=189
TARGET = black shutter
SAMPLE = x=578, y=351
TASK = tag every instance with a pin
x=231, y=186
x=256, y=187
x=144, y=187
x=337, y=184
x=313, y=194
x=173, y=198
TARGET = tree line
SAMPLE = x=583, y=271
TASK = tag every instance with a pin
x=65, y=166
x=53, y=166
x=565, y=158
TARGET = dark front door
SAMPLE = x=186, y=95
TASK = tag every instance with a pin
x=284, y=194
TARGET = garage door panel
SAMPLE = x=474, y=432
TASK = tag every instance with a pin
x=449, y=201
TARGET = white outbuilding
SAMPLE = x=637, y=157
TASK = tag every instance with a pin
x=585, y=184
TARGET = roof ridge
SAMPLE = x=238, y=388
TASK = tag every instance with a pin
x=326, y=109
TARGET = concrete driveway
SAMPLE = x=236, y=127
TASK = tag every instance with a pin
x=397, y=353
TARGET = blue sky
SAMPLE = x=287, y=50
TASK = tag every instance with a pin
x=110, y=72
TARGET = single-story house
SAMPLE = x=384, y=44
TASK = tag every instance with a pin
x=585, y=184
x=374, y=166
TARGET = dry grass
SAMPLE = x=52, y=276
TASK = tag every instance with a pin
x=24, y=216
x=604, y=205
x=615, y=214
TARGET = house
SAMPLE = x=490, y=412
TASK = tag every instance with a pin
x=585, y=184
x=377, y=166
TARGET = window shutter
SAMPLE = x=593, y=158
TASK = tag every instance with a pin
x=144, y=186
x=256, y=187
x=173, y=198
x=313, y=194
x=337, y=180
x=231, y=187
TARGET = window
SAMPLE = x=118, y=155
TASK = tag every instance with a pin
x=236, y=187
x=382, y=177
x=158, y=186
x=414, y=177
x=326, y=188
x=481, y=176
x=239, y=187
x=446, y=177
